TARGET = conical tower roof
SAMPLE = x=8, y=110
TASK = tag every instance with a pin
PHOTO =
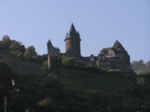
x=72, y=29
x=72, y=33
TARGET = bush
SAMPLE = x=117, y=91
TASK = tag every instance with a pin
x=141, y=81
x=45, y=63
x=90, y=65
x=51, y=81
x=69, y=61
x=44, y=106
x=81, y=64
x=44, y=102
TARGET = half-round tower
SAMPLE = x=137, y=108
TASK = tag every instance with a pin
x=72, y=42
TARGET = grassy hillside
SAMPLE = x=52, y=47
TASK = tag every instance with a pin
x=21, y=67
x=81, y=93
x=142, y=70
x=74, y=90
x=95, y=82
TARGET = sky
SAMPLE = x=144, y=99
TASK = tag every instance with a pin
x=99, y=22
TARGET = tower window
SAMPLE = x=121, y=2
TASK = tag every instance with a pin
x=75, y=51
x=70, y=48
x=75, y=43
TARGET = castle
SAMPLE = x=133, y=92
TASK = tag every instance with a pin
x=115, y=57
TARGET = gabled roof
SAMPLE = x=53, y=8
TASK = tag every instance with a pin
x=49, y=43
x=117, y=45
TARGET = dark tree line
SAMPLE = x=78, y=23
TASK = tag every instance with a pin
x=140, y=65
x=19, y=51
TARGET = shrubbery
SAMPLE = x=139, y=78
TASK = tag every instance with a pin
x=81, y=64
x=44, y=105
x=51, y=81
x=16, y=49
x=70, y=62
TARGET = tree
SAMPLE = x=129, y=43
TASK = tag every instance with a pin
x=15, y=45
x=6, y=41
x=17, y=49
x=141, y=62
x=30, y=54
x=137, y=64
x=148, y=63
x=134, y=63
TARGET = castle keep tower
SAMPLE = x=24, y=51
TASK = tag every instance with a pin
x=72, y=42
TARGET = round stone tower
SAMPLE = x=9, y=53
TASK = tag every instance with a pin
x=72, y=42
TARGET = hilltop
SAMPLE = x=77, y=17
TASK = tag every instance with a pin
x=69, y=86
x=79, y=89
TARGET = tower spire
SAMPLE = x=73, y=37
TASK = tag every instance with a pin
x=72, y=29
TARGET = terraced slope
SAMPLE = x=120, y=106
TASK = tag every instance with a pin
x=21, y=67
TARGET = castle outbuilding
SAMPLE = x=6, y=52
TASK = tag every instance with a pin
x=115, y=57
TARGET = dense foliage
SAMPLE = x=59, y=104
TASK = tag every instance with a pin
x=30, y=54
x=5, y=83
x=81, y=92
x=18, y=50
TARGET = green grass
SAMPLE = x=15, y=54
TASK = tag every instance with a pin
x=95, y=82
